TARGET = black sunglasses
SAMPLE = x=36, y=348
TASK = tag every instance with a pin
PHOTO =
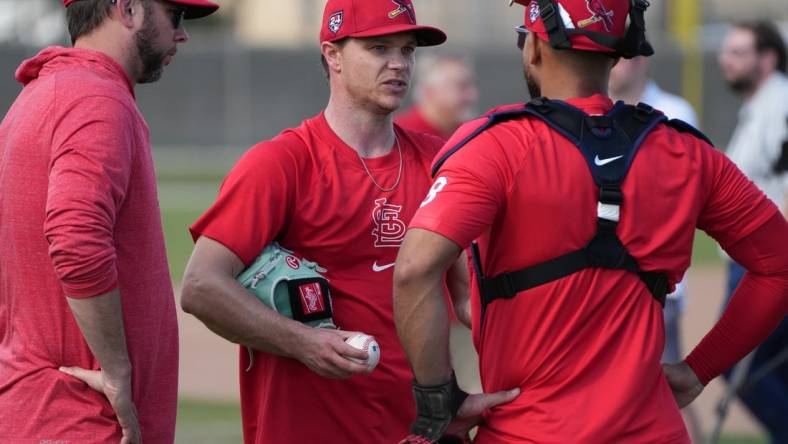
x=522, y=33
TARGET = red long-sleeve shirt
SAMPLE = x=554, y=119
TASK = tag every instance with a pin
x=79, y=217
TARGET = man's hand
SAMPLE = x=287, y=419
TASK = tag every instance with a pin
x=468, y=416
x=470, y=413
x=118, y=392
x=324, y=351
x=682, y=380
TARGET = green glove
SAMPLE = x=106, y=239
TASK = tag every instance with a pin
x=291, y=286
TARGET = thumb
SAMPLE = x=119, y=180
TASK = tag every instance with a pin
x=90, y=377
x=502, y=397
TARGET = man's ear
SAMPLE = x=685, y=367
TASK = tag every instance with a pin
x=333, y=55
x=534, y=50
x=125, y=11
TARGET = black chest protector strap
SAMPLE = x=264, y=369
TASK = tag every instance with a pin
x=609, y=143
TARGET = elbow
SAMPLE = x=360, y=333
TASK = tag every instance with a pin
x=404, y=274
x=194, y=294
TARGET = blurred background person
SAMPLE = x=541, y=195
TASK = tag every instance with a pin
x=753, y=63
x=444, y=98
x=630, y=82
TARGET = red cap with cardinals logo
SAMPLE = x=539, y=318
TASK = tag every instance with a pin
x=589, y=25
x=194, y=8
x=371, y=18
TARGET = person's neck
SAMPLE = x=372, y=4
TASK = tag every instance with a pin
x=108, y=45
x=371, y=135
x=436, y=118
x=566, y=88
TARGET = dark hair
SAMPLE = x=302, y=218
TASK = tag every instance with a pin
x=341, y=42
x=86, y=15
x=767, y=38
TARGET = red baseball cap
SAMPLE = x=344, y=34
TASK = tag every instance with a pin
x=194, y=8
x=370, y=18
x=606, y=17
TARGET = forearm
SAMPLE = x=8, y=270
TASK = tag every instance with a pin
x=231, y=312
x=422, y=321
x=420, y=311
x=756, y=308
x=458, y=282
x=100, y=320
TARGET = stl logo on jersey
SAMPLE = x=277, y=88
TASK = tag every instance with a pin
x=335, y=21
x=389, y=229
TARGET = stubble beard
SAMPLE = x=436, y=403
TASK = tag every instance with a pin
x=152, y=60
x=533, y=87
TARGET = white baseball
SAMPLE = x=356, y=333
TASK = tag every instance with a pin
x=369, y=345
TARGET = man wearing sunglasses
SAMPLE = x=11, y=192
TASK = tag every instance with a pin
x=88, y=331
x=581, y=215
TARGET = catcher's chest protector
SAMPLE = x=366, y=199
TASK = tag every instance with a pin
x=609, y=143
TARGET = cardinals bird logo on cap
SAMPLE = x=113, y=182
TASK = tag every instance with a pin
x=403, y=7
x=335, y=21
x=600, y=13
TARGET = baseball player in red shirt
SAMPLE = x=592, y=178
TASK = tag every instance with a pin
x=581, y=214
x=338, y=190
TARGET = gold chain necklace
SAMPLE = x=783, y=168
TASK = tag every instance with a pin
x=399, y=174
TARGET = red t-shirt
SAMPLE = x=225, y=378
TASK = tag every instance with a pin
x=79, y=217
x=585, y=350
x=309, y=191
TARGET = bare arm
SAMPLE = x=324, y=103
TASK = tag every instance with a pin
x=423, y=322
x=458, y=281
x=419, y=307
x=211, y=293
x=100, y=319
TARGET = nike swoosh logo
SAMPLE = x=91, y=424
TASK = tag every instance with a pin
x=602, y=162
x=378, y=268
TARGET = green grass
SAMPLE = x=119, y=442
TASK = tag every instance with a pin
x=220, y=423
x=179, y=241
x=705, y=251
x=208, y=422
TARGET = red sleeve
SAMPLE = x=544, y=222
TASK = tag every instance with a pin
x=758, y=305
x=467, y=191
x=92, y=147
x=734, y=207
x=254, y=200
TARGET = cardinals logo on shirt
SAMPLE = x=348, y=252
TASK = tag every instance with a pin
x=403, y=7
x=335, y=21
x=600, y=13
x=389, y=228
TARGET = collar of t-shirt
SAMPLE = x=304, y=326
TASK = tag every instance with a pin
x=327, y=135
x=592, y=105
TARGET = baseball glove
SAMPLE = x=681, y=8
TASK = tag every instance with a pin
x=291, y=286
